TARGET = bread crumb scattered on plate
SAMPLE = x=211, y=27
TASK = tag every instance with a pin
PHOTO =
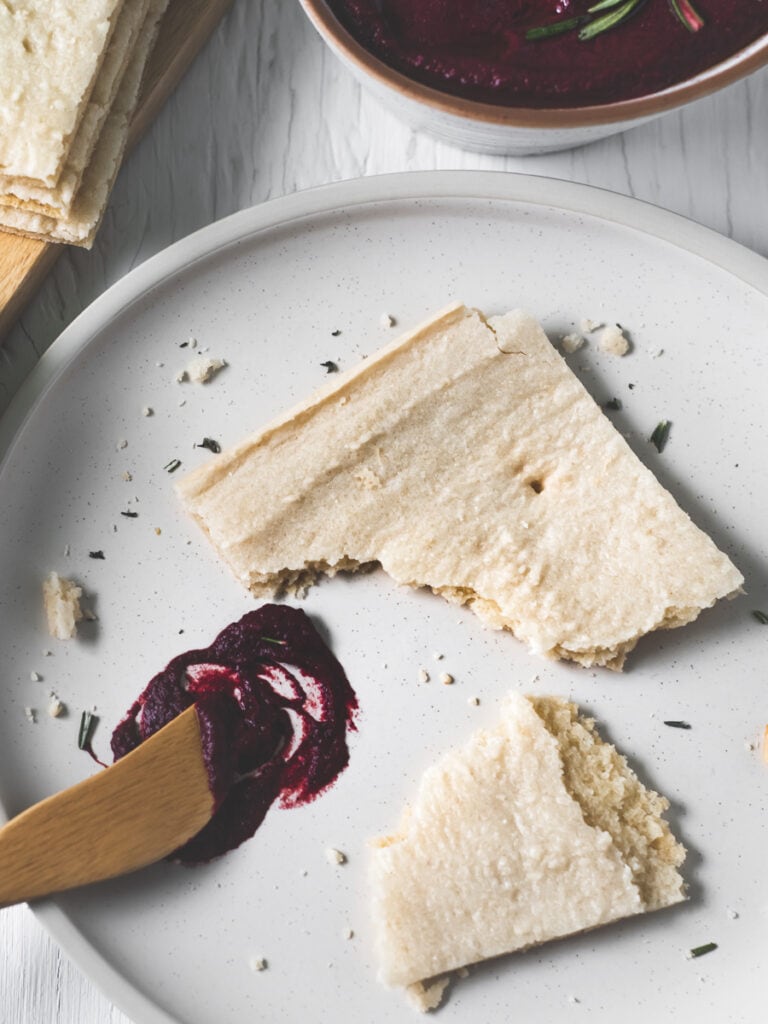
x=202, y=369
x=56, y=708
x=61, y=600
x=571, y=343
x=613, y=340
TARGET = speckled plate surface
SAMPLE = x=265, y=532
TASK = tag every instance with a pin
x=268, y=290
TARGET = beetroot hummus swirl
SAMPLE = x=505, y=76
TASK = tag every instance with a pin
x=274, y=706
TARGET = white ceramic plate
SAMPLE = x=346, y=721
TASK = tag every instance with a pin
x=265, y=290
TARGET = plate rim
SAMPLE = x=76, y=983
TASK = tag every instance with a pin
x=563, y=196
x=573, y=197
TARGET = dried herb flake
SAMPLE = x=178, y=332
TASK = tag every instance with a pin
x=613, y=404
x=210, y=444
x=660, y=435
x=330, y=366
x=96, y=554
x=88, y=722
x=172, y=466
x=678, y=725
x=708, y=947
x=130, y=515
x=336, y=333
x=761, y=617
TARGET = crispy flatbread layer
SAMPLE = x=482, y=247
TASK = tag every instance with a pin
x=534, y=830
x=56, y=200
x=466, y=457
x=79, y=226
x=50, y=56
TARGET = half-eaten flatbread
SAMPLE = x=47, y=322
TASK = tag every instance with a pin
x=534, y=830
x=466, y=457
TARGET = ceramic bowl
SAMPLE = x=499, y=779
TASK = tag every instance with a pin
x=518, y=131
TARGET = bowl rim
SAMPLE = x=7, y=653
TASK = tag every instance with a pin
x=727, y=71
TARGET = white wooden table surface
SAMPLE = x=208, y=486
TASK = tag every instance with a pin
x=266, y=111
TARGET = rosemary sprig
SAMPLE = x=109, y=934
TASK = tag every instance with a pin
x=606, y=21
x=617, y=12
x=555, y=28
x=761, y=617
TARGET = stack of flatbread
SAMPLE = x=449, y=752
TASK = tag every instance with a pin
x=70, y=75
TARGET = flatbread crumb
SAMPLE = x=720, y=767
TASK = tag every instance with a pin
x=425, y=996
x=61, y=600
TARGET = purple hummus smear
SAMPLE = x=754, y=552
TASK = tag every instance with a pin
x=274, y=706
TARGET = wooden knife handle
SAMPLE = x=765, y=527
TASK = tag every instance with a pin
x=131, y=814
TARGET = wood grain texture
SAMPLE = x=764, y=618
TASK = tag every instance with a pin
x=122, y=818
x=24, y=262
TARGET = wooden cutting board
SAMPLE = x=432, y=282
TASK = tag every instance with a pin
x=186, y=25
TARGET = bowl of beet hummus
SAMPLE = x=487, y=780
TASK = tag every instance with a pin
x=532, y=76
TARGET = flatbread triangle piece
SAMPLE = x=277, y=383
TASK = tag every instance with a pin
x=534, y=830
x=466, y=457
